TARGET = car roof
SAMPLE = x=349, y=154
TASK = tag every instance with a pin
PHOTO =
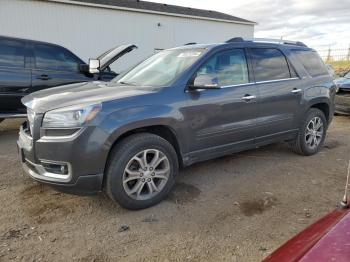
x=29, y=40
x=40, y=42
x=243, y=44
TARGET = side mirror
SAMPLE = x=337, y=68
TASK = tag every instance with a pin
x=94, y=66
x=205, y=82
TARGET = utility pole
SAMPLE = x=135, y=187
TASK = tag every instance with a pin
x=329, y=53
x=348, y=58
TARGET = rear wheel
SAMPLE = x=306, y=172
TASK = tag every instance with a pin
x=311, y=134
x=141, y=171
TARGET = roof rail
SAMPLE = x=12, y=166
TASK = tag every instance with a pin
x=266, y=40
x=235, y=39
x=191, y=43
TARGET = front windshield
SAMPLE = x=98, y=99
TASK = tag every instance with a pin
x=162, y=68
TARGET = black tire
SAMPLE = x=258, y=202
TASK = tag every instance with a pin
x=120, y=157
x=299, y=144
x=1, y=119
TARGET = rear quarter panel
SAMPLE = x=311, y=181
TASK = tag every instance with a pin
x=320, y=89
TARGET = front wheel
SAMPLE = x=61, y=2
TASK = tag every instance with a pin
x=311, y=134
x=141, y=171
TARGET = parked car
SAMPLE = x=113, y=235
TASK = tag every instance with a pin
x=326, y=240
x=27, y=66
x=342, y=99
x=178, y=107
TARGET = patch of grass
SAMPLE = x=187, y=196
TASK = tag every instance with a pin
x=340, y=67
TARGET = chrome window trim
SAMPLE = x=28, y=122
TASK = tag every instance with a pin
x=277, y=80
x=245, y=84
x=250, y=83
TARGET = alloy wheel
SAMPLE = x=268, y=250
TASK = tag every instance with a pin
x=314, y=132
x=146, y=174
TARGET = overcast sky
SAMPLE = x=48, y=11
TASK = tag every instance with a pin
x=318, y=23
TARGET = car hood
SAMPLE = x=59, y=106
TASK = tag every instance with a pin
x=325, y=240
x=82, y=93
x=343, y=82
x=109, y=57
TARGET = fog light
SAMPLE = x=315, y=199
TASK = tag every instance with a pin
x=64, y=169
x=60, y=169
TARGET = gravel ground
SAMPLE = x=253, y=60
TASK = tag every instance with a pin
x=237, y=208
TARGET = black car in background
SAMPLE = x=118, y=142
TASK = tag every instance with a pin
x=27, y=66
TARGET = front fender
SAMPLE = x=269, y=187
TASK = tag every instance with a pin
x=124, y=120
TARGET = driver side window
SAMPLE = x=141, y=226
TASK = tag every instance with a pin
x=49, y=57
x=226, y=68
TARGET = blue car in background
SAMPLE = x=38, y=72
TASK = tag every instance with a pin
x=342, y=99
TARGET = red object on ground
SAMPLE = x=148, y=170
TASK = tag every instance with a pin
x=326, y=240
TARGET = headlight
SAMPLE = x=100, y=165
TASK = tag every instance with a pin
x=74, y=116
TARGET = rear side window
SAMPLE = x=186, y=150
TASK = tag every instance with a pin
x=227, y=68
x=54, y=58
x=269, y=64
x=312, y=62
x=12, y=53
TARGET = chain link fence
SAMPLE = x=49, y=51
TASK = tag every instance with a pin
x=330, y=54
x=339, y=59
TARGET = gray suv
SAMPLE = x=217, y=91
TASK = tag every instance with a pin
x=180, y=106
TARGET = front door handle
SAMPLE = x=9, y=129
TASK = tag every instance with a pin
x=296, y=90
x=247, y=98
x=44, y=77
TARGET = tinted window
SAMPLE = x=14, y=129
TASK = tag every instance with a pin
x=227, y=68
x=269, y=64
x=54, y=58
x=312, y=62
x=293, y=73
x=11, y=53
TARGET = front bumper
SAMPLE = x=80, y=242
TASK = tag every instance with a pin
x=83, y=159
x=342, y=103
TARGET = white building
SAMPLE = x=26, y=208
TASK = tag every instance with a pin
x=90, y=27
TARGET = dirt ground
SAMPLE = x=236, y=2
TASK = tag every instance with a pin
x=236, y=208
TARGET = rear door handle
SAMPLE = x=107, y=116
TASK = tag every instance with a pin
x=248, y=98
x=44, y=77
x=296, y=90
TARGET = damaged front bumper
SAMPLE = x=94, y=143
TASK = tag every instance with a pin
x=342, y=102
